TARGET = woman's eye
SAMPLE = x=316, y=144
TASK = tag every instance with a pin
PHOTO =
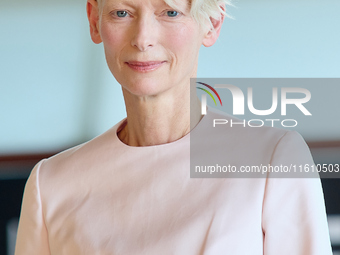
x=172, y=13
x=121, y=14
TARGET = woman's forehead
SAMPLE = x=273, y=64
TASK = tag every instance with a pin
x=171, y=3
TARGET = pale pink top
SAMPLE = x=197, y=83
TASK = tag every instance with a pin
x=104, y=197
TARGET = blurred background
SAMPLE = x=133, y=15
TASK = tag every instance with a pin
x=56, y=90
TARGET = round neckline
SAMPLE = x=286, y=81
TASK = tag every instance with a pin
x=120, y=125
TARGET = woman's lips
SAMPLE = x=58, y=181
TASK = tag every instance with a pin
x=146, y=66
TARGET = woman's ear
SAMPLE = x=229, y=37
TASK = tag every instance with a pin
x=211, y=36
x=93, y=17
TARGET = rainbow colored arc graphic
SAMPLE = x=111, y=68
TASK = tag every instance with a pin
x=209, y=93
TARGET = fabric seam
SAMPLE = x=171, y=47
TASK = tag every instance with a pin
x=39, y=194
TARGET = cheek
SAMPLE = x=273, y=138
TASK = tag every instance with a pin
x=185, y=43
x=113, y=39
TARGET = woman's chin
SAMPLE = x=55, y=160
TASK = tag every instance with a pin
x=143, y=88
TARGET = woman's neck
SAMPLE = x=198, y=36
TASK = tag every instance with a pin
x=160, y=119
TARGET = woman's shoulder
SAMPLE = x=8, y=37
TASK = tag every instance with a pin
x=78, y=159
x=225, y=139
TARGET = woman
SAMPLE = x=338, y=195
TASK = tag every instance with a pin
x=128, y=191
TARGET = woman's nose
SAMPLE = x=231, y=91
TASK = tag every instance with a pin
x=145, y=33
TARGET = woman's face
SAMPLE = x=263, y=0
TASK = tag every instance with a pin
x=150, y=47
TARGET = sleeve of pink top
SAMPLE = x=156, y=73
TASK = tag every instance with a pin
x=294, y=219
x=32, y=237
